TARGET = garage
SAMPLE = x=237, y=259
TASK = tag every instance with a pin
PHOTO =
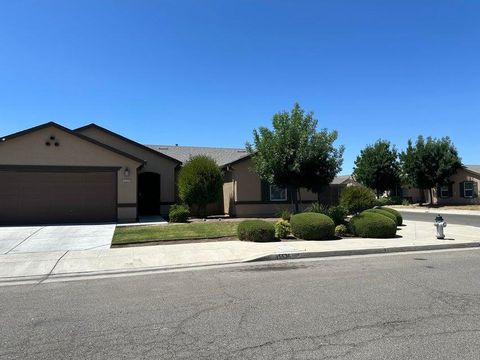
x=58, y=195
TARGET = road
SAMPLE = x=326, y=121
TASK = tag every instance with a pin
x=408, y=306
x=471, y=220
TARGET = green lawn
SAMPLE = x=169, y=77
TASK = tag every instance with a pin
x=204, y=230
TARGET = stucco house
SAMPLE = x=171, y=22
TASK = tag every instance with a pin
x=52, y=174
x=461, y=190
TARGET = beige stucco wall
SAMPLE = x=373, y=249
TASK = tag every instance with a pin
x=30, y=149
x=247, y=184
x=459, y=177
x=154, y=163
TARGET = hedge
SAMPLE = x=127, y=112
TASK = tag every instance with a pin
x=312, y=226
x=355, y=199
x=372, y=225
x=256, y=230
x=178, y=214
x=398, y=216
x=384, y=213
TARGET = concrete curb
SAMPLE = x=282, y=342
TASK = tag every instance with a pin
x=385, y=250
x=37, y=279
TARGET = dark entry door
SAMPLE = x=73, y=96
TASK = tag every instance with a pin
x=148, y=193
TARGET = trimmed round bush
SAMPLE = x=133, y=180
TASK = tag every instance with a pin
x=312, y=226
x=282, y=229
x=398, y=216
x=384, y=213
x=371, y=225
x=256, y=230
x=178, y=214
x=341, y=230
x=355, y=199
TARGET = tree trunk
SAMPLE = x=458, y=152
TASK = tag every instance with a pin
x=300, y=197
x=431, y=195
x=295, y=199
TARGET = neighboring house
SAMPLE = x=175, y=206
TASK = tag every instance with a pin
x=462, y=189
x=51, y=174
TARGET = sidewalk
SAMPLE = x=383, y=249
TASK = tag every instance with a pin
x=38, y=267
x=443, y=211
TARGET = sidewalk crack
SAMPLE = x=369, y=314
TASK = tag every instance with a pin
x=28, y=237
x=53, y=268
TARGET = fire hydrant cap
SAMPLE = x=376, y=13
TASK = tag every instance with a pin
x=439, y=218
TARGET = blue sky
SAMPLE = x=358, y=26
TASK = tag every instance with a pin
x=208, y=72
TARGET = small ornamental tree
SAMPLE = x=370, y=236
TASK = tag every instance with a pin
x=429, y=163
x=294, y=154
x=200, y=182
x=377, y=167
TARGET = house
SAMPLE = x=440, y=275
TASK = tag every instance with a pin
x=244, y=193
x=52, y=174
x=461, y=190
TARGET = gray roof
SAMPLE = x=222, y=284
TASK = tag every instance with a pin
x=473, y=168
x=340, y=179
x=222, y=156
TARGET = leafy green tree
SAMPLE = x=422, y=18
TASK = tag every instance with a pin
x=294, y=154
x=377, y=167
x=200, y=182
x=429, y=162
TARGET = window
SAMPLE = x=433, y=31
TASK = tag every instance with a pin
x=468, y=189
x=444, y=191
x=278, y=193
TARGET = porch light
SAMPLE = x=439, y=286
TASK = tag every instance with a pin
x=126, y=172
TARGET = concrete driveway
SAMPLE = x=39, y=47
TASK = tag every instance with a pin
x=28, y=239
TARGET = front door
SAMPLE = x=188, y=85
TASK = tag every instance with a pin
x=148, y=193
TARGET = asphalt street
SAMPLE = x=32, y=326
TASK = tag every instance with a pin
x=408, y=306
x=471, y=220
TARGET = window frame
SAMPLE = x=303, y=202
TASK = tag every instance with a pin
x=285, y=198
x=442, y=190
x=472, y=189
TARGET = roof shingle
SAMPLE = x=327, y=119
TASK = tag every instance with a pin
x=222, y=156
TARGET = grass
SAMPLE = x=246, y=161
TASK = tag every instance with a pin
x=194, y=231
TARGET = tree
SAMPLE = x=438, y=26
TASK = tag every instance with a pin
x=294, y=154
x=429, y=163
x=377, y=167
x=200, y=182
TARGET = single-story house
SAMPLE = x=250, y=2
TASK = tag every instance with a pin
x=461, y=190
x=244, y=193
x=52, y=174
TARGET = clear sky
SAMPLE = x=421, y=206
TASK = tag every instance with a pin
x=207, y=72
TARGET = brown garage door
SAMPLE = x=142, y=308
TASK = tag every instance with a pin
x=41, y=197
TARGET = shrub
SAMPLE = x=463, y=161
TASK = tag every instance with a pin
x=406, y=202
x=337, y=214
x=341, y=230
x=282, y=229
x=383, y=212
x=284, y=214
x=312, y=226
x=390, y=200
x=200, y=182
x=371, y=225
x=317, y=207
x=256, y=230
x=355, y=199
x=398, y=216
x=178, y=213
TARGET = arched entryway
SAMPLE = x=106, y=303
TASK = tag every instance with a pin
x=148, y=193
